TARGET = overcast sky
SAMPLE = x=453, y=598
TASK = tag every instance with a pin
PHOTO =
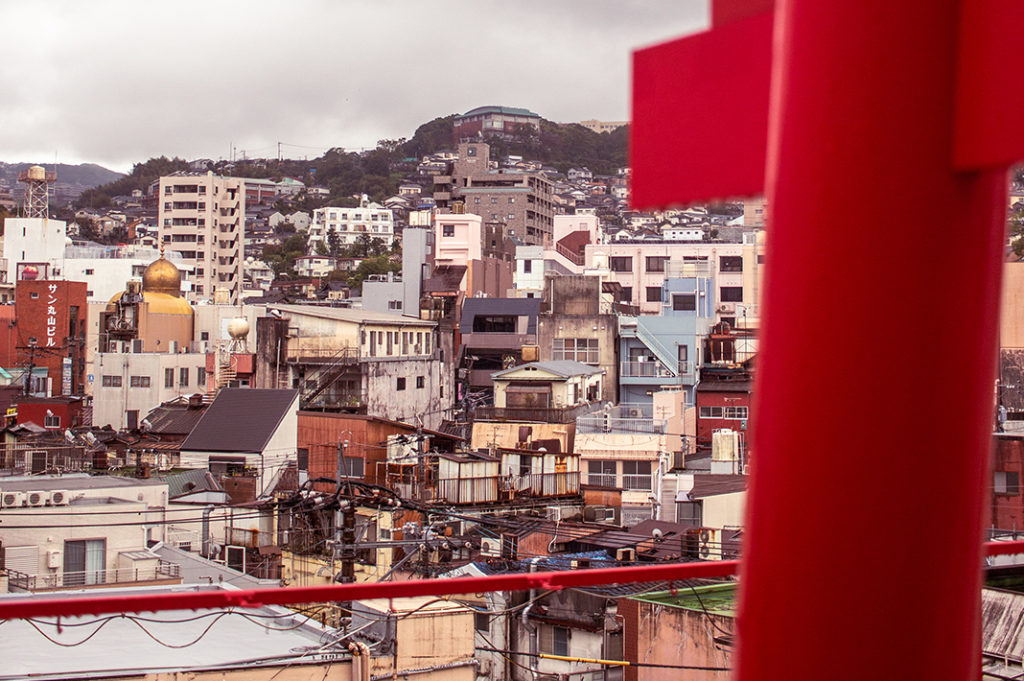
x=119, y=82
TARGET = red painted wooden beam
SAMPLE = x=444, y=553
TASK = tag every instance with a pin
x=82, y=603
x=700, y=115
x=989, y=96
x=871, y=229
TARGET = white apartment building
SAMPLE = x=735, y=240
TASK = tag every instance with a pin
x=107, y=269
x=37, y=242
x=202, y=217
x=127, y=385
x=370, y=219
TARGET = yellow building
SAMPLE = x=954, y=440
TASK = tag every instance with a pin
x=151, y=316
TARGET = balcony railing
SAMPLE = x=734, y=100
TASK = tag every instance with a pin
x=535, y=414
x=85, y=578
x=503, y=488
x=575, y=258
x=622, y=418
x=647, y=370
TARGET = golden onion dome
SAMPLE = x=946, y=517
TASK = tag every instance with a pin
x=162, y=277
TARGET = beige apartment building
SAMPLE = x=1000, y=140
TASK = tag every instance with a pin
x=202, y=217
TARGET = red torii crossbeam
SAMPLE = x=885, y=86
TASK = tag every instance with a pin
x=880, y=133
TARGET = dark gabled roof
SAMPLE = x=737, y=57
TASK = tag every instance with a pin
x=713, y=484
x=173, y=419
x=471, y=307
x=241, y=420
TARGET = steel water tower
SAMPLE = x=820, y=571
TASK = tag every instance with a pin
x=37, y=191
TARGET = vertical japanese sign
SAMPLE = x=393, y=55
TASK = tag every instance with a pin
x=51, y=316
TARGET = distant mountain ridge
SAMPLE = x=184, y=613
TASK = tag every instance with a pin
x=84, y=175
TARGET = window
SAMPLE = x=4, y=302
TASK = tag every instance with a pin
x=1006, y=483
x=688, y=513
x=89, y=271
x=34, y=295
x=736, y=412
x=420, y=381
x=554, y=640
x=111, y=381
x=351, y=467
x=656, y=263
x=626, y=294
x=51, y=421
x=183, y=377
x=85, y=562
x=653, y=294
x=494, y=199
x=511, y=199
x=494, y=324
x=400, y=384
x=731, y=294
x=620, y=263
x=447, y=230
x=482, y=622
x=684, y=301
x=168, y=378
x=711, y=412
x=601, y=473
x=730, y=263
x=681, y=357
x=139, y=381
x=583, y=350
x=636, y=475
x=527, y=266
x=200, y=376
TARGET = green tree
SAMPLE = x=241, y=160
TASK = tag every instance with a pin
x=333, y=242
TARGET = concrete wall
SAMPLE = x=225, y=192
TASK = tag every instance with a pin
x=110, y=403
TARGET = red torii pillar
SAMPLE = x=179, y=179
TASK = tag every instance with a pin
x=882, y=154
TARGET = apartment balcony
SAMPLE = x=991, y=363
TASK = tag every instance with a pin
x=344, y=354
x=497, y=341
x=536, y=414
x=164, y=573
x=650, y=370
x=486, y=490
x=622, y=418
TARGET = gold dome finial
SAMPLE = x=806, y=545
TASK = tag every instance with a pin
x=162, y=277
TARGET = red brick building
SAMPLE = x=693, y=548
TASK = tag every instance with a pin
x=723, y=400
x=54, y=413
x=1007, y=509
x=49, y=331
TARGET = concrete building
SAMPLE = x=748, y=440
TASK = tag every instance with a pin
x=577, y=322
x=493, y=120
x=369, y=219
x=522, y=202
x=602, y=126
x=387, y=365
x=34, y=243
x=106, y=270
x=52, y=539
x=203, y=218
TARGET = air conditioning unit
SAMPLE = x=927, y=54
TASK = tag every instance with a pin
x=13, y=499
x=53, y=559
x=60, y=497
x=36, y=498
x=625, y=555
x=555, y=514
x=579, y=563
x=490, y=548
x=708, y=540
